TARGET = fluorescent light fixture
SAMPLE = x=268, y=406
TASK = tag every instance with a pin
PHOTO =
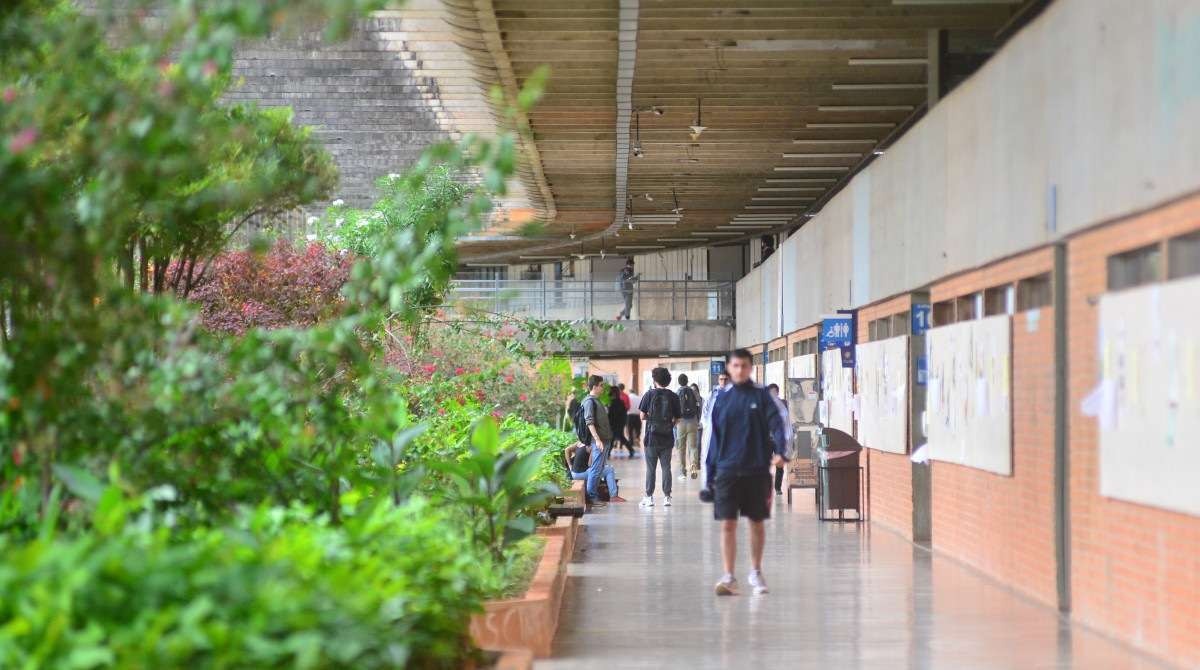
x=808, y=155
x=811, y=168
x=760, y=199
x=861, y=140
x=810, y=180
x=540, y=258
x=743, y=227
x=791, y=189
x=889, y=61
x=872, y=124
x=770, y=207
x=715, y=232
x=676, y=239
x=865, y=108
x=880, y=87
x=640, y=246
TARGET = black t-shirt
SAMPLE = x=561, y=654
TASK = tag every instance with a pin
x=654, y=439
x=579, y=461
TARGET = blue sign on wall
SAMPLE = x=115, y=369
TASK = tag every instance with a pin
x=716, y=367
x=836, y=332
x=922, y=370
x=921, y=318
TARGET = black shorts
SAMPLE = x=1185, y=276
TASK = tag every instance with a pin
x=747, y=495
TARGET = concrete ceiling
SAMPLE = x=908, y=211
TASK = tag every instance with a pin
x=794, y=94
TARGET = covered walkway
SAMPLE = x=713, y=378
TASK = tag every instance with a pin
x=842, y=596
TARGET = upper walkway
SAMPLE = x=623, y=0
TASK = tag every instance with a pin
x=842, y=596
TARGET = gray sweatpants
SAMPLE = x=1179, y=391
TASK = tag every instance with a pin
x=658, y=457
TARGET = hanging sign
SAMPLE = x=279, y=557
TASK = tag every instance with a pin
x=921, y=318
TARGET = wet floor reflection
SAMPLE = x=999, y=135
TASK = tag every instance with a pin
x=842, y=596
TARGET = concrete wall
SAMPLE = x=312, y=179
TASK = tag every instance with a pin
x=1086, y=115
x=359, y=96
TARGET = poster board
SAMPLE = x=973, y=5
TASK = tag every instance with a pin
x=968, y=394
x=837, y=392
x=883, y=394
x=802, y=367
x=1148, y=400
x=776, y=374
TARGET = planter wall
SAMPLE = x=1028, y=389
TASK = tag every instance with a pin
x=529, y=623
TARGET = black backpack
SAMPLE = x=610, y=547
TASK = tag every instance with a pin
x=582, y=433
x=689, y=406
x=659, y=420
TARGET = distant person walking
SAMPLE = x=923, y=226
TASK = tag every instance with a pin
x=633, y=423
x=747, y=439
x=617, y=417
x=687, y=431
x=773, y=389
x=660, y=410
x=626, y=280
x=706, y=425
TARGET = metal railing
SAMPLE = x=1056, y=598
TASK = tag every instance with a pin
x=569, y=300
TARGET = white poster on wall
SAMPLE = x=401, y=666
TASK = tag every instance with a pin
x=883, y=394
x=804, y=366
x=968, y=395
x=776, y=374
x=837, y=392
x=1148, y=400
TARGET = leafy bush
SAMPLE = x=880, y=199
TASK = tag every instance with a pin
x=285, y=286
x=389, y=588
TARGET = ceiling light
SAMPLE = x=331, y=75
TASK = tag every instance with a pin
x=744, y=227
x=675, y=196
x=809, y=180
x=715, y=232
x=764, y=199
x=811, y=168
x=865, y=108
x=658, y=111
x=879, y=87
x=877, y=152
x=637, y=142
x=790, y=189
x=649, y=197
x=889, y=61
x=640, y=246
x=829, y=142
x=850, y=125
x=698, y=126
x=675, y=239
x=637, y=151
x=808, y=155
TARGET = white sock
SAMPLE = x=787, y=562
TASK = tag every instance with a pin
x=728, y=577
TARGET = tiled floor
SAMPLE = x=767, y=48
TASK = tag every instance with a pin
x=842, y=596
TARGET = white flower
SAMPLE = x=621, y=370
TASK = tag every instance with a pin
x=393, y=175
x=361, y=223
x=377, y=215
x=339, y=202
x=339, y=221
x=311, y=238
x=312, y=220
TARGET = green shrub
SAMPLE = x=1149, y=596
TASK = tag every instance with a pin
x=390, y=588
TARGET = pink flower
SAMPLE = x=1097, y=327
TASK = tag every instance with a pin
x=209, y=69
x=441, y=410
x=496, y=413
x=429, y=368
x=10, y=95
x=22, y=140
x=480, y=395
x=459, y=370
x=508, y=379
x=523, y=397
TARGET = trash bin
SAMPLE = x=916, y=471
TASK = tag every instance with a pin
x=840, y=477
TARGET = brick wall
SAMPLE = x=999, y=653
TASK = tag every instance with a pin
x=1135, y=570
x=1004, y=526
x=890, y=475
x=359, y=96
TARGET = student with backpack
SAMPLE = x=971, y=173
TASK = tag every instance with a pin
x=687, y=430
x=591, y=428
x=660, y=410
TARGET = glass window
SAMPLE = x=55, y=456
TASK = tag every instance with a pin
x=1135, y=268
x=1035, y=292
x=1183, y=256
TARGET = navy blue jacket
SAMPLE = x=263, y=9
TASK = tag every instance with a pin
x=747, y=429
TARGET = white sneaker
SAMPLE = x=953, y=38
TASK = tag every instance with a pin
x=648, y=501
x=758, y=583
x=667, y=502
x=683, y=477
x=726, y=587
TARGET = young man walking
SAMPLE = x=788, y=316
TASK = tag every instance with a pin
x=773, y=389
x=660, y=411
x=747, y=439
x=633, y=423
x=687, y=431
x=626, y=280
